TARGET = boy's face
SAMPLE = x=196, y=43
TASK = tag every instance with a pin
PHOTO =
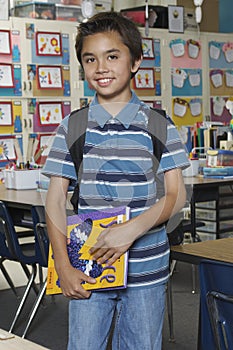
x=108, y=66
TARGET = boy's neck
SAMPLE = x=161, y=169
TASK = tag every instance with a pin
x=114, y=107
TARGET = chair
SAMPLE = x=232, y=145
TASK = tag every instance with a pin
x=42, y=249
x=220, y=308
x=9, y=249
x=25, y=253
x=216, y=305
x=6, y=275
x=6, y=253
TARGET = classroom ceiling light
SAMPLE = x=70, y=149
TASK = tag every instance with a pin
x=198, y=2
x=87, y=8
x=198, y=10
x=198, y=14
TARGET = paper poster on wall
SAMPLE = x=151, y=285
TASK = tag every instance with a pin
x=5, y=113
x=50, y=113
x=177, y=47
x=7, y=150
x=176, y=19
x=148, y=48
x=62, y=111
x=214, y=50
x=178, y=77
x=10, y=46
x=48, y=44
x=5, y=42
x=220, y=54
x=195, y=105
x=187, y=111
x=144, y=79
x=229, y=78
x=195, y=77
x=151, y=60
x=227, y=49
x=4, y=10
x=180, y=107
x=218, y=109
x=221, y=82
x=216, y=77
x=186, y=54
x=46, y=142
x=193, y=48
x=49, y=77
x=55, y=52
x=6, y=75
x=186, y=82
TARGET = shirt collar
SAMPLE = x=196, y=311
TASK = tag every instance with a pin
x=126, y=115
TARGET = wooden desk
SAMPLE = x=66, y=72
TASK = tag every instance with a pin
x=220, y=250
x=194, y=253
x=22, y=198
x=19, y=203
x=200, y=189
x=10, y=341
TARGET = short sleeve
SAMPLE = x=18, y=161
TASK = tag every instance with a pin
x=174, y=155
x=59, y=161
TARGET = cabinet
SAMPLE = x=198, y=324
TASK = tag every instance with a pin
x=216, y=214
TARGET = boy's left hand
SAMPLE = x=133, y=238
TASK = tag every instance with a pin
x=112, y=243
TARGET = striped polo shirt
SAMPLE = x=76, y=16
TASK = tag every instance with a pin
x=117, y=170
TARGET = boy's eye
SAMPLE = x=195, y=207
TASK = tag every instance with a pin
x=89, y=60
x=112, y=57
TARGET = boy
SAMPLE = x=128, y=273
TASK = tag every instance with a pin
x=117, y=170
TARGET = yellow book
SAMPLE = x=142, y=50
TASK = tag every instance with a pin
x=82, y=233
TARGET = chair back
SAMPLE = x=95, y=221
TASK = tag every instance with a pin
x=220, y=307
x=41, y=234
x=9, y=244
x=218, y=277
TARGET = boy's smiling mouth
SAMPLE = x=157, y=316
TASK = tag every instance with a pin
x=104, y=81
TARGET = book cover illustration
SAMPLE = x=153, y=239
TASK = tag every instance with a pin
x=82, y=233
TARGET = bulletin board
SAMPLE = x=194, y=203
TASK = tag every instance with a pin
x=186, y=81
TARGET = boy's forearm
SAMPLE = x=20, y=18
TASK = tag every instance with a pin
x=58, y=241
x=56, y=222
x=158, y=214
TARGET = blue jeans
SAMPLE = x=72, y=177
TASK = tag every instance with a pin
x=137, y=315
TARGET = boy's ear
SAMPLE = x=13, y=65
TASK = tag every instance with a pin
x=136, y=65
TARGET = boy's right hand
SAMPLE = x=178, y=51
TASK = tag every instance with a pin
x=70, y=281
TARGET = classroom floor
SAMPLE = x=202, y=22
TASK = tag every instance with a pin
x=49, y=327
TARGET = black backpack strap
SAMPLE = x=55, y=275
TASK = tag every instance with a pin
x=157, y=128
x=77, y=126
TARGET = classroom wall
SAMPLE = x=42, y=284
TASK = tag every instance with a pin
x=225, y=16
x=210, y=14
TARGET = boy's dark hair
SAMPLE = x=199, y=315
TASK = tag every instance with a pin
x=111, y=22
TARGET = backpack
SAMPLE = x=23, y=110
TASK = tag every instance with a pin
x=77, y=124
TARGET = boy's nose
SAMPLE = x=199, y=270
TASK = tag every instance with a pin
x=102, y=66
